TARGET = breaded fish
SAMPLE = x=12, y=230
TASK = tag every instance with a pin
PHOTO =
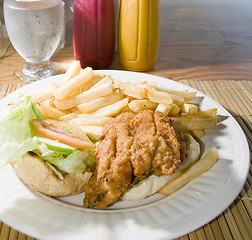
x=132, y=146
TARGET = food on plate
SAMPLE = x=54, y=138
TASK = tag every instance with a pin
x=62, y=132
x=74, y=84
x=113, y=140
x=72, y=71
x=132, y=148
x=191, y=173
x=56, y=168
x=37, y=174
x=189, y=154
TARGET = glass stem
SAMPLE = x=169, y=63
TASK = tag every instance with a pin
x=40, y=69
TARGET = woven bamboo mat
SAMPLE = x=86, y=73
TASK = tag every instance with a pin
x=236, y=221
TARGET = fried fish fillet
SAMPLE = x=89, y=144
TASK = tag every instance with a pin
x=132, y=146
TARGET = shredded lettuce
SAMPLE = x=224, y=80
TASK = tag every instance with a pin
x=17, y=137
x=66, y=160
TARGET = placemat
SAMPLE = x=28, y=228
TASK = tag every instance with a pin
x=236, y=221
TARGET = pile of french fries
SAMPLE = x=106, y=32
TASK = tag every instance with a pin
x=91, y=101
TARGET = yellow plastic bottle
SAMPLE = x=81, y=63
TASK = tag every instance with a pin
x=139, y=30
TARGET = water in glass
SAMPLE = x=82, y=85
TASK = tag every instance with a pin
x=34, y=28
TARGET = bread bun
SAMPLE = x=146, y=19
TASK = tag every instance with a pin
x=153, y=183
x=35, y=173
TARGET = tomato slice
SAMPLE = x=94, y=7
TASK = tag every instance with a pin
x=62, y=132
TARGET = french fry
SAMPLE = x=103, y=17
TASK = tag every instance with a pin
x=48, y=102
x=50, y=112
x=130, y=89
x=182, y=94
x=164, y=108
x=199, y=133
x=90, y=120
x=72, y=71
x=94, y=93
x=106, y=79
x=125, y=109
x=210, y=113
x=193, y=172
x=159, y=96
x=193, y=123
x=86, y=86
x=178, y=100
x=42, y=97
x=65, y=104
x=90, y=83
x=189, y=108
x=112, y=109
x=94, y=131
x=99, y=103
x=174, y=110
x=73, y=84
x=140, y=105
x=69, y=116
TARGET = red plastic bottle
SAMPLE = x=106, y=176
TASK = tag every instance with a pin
x=93, y=32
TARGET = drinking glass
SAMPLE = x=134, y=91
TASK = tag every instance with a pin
x=34, y=28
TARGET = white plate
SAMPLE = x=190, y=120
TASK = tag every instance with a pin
x=157, y=217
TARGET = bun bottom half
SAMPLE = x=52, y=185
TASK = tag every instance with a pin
x=35, y=173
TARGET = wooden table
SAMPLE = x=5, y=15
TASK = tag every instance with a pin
x=206, y=44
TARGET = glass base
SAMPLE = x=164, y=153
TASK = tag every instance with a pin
x=31, y=72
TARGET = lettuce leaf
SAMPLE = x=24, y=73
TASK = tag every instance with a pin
x=16, y=133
